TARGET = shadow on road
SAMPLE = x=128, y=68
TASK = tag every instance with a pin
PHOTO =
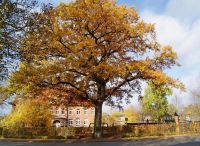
x=187, y=144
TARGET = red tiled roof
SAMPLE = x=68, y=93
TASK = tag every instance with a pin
x=58, y=97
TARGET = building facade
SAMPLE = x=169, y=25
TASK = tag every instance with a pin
x=75, y=116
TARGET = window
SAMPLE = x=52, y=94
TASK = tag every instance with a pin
x=57, y=111
x=63, y=111
x=122, y=118
x=51, y=110
x=70, y=111
x=70, y=122
x=85, y=123
x=92, y=111
x=85, y=111
x=78, y=111
x=78, y=122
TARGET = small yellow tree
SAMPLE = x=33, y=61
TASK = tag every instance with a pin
x=29, y=113
x=108, y=119
x=114, y=118
x=131, y=114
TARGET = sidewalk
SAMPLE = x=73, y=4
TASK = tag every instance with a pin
x=87, y=140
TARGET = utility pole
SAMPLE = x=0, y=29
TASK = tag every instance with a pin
x=176, y=100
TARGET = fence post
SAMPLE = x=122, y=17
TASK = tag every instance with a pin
x=67, y=132
x=55, y=131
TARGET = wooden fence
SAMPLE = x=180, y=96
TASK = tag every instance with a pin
x=123, y=131
x=161, y=129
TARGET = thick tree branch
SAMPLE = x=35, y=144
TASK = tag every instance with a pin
x=75, y=71
x=138, y=76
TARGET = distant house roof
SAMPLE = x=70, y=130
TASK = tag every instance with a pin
x=57, y=98
x=167, y=115
x=176, y=114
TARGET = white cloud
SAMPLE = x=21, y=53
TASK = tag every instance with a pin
x=184, y=37
x=169, y=30
x=191, y=84
x=191, y=45
x=56, y=2
x=185, y=10
x=64, y=1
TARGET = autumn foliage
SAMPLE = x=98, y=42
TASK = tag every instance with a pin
x=95, y=50
x=28, y=113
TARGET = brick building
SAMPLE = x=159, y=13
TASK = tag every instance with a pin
x=69, y=111
x=75, y=116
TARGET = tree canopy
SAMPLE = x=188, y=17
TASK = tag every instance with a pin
x=132, y=114
x=29, y=113
x=94, y=50
x=115, y=117
x=193, y=109
x=155, y=102
x=15, y=21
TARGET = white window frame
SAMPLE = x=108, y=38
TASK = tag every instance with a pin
x=86, y=122
x=57, y=111
x=78, y=122
x=70, y=112
x=78, y=111
x=93, y=111
x=51, y=109
x=63, y=111
x=70, y=122
x=85, y=111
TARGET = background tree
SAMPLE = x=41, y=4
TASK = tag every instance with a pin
x=108, y=119
x=196, y=98
x=15, y=21
x=155, y=102
x=115, y=117
x=193, y=109
x=101, y=53
x=172, y=109
x=132, y=114
x=29, y=113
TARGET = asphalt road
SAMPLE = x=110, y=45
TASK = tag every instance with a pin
x=178, y=141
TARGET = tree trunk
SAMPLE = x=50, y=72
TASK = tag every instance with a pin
x=98, y=120
x=101, y=85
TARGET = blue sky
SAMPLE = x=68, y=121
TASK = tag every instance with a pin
x=140, y=5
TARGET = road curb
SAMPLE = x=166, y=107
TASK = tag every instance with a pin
x=97, y=140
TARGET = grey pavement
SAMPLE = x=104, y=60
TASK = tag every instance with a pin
x=176, y=141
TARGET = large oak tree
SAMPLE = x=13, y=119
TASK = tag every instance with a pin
x=95, y=50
